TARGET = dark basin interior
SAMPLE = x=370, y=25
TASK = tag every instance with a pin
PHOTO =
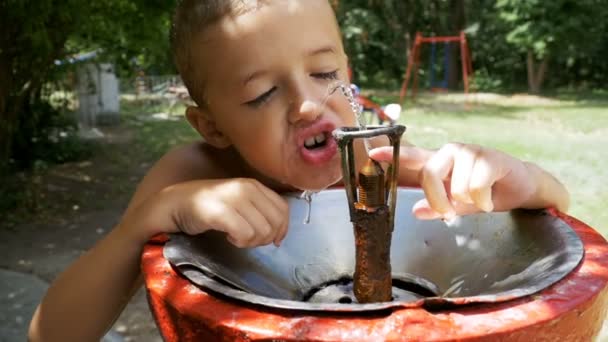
x=473, y=259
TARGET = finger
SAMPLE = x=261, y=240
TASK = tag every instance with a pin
x=283, y=229
x=461, y=174
x=432, y=175
x=263, y=231
x=410, y=157
x=282, y=233
x=279, y=202
x=423, y=211
x=238, y=229
x=483, y=177
x=276, y=211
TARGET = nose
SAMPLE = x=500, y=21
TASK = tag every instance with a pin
x=309, y=111
x=306, y=105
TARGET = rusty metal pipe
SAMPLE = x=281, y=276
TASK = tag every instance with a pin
x=372, y=278
x=372, y=218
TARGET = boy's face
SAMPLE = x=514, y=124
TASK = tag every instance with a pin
x=265, y=75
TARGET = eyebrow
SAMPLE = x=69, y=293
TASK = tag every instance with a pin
x=320, y=51
x=254, y=75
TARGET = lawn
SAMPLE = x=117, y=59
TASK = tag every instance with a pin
x=568, y=137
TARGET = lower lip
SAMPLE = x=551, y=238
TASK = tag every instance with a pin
x=321, y=155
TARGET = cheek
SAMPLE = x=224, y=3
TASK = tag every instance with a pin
x=249, y=128
x=259, y=139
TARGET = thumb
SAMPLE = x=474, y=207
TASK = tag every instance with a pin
x=410, y=157
x=382, y=154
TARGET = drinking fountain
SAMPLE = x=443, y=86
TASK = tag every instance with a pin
x=365, y=269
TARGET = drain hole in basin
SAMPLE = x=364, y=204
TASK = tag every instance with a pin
x=345, y=300
x=340, y=291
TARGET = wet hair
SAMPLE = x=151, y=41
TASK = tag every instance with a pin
x=191, y=18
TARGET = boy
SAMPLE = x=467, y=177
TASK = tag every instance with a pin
x=259, y=71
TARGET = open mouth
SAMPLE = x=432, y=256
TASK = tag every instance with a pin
x=316, y=142
x=319, y=148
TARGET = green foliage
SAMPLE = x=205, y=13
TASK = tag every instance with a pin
x=545, y=27
x=51, y=138
x=482, y=81
x=572, y=33
x=36, y=33
x=374, y=40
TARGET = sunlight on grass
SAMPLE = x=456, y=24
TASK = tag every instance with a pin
x=158, y=126
x=566, y=140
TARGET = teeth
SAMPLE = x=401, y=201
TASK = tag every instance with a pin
x=310, y=142
x=314, y=141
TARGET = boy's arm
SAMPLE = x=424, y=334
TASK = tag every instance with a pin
x=550, y=192
x=460, y=179
x=84, y=301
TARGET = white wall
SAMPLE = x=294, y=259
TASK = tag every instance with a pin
x=98, y=95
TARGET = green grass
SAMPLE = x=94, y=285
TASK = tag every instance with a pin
x=569, y=138
x=153, y=137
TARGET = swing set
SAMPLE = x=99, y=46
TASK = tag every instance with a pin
x=414, y=62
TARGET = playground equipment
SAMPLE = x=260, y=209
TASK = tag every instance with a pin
x=414, y=62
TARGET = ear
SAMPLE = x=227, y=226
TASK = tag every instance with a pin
x=203, y=122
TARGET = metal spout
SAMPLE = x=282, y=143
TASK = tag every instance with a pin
x=372, y=193
x=372, y=218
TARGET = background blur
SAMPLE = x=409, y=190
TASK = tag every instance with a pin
x=89, y=99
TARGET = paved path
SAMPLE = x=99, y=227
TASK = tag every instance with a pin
x=34, y=254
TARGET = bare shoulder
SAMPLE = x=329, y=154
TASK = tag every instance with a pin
x=196, y=161
x=190, y=162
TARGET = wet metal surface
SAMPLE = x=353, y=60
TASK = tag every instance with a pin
x=474, y=259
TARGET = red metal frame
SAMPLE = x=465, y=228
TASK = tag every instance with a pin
x=414, y=61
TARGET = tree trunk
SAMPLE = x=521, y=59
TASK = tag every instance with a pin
x=22, y=74
x=7, y=116
x=536, y=74
x=457, y=24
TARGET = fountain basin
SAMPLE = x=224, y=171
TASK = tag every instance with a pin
x=524, y=274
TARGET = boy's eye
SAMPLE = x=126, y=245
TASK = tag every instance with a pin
x=332, y=75
x=260, y=100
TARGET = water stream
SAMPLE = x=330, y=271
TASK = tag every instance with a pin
x=357, y=110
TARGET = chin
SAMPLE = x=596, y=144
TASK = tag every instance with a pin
x=318, y=183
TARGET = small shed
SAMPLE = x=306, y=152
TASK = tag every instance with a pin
x=97, y=91
x=98, y=95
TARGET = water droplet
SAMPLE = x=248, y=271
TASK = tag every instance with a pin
x=307, y=196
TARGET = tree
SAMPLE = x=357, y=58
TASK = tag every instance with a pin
x=542, y=29
x=36, y=33
x=457, y=23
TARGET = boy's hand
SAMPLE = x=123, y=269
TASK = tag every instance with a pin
x=248, y=212
x=462, y=179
